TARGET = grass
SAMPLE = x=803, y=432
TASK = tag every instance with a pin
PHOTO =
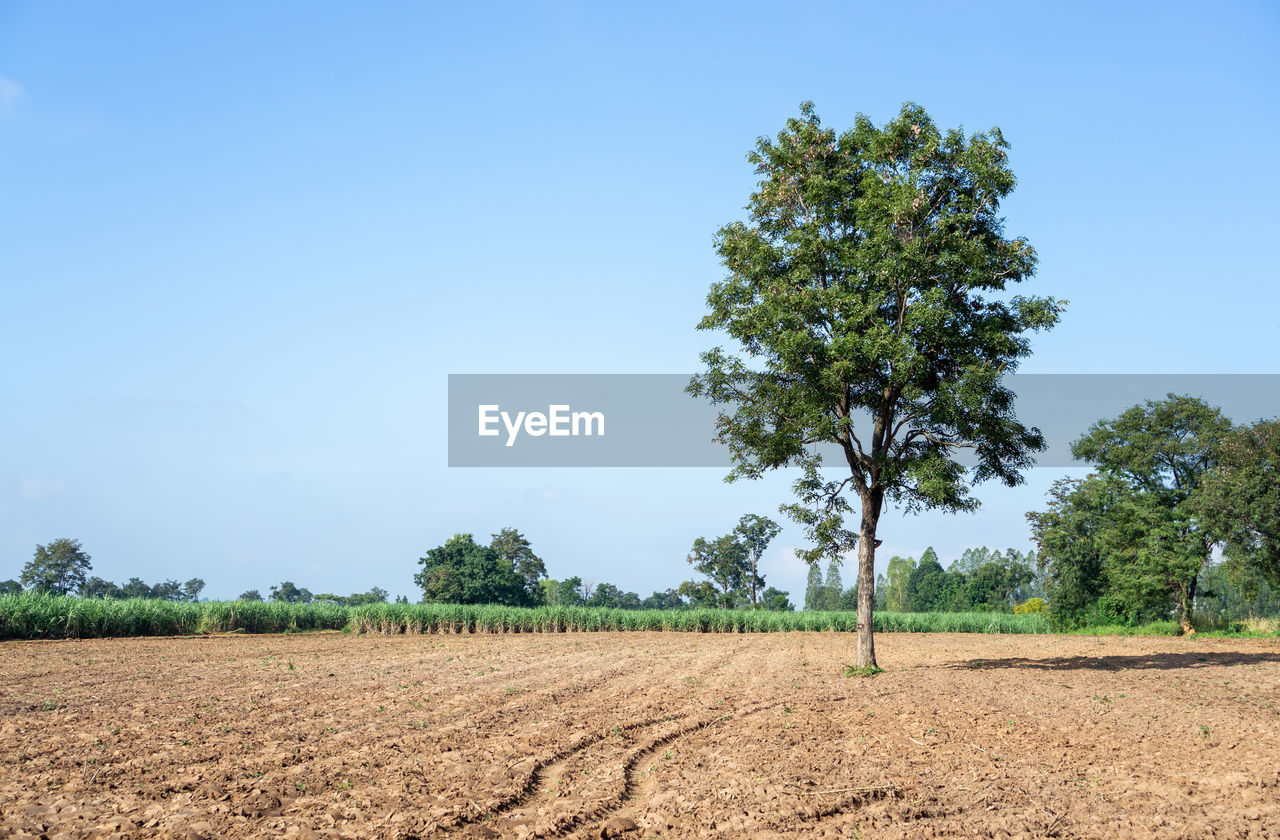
x=32, y=616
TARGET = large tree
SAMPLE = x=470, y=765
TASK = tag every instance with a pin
x=726, y=564
x=58, y=568
x=513, y=548
x=1158, y=451
x=464, y=572
x=1238, y=503
x=755, y=533
x=868, y=293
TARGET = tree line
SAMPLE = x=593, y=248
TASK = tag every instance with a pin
x=507, y=571
x=980, y=580
x=1183, y=508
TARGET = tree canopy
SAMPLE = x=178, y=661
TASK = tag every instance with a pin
x=58, y=568
x=869, y=286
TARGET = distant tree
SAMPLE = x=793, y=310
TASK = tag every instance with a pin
x=191, y=589
x=290, y=593
x=668, y=599
x=606, y=595
x=701, y=594
x=568, y=592
x=96, y=587
x=726, y=563
x=586, y=590
x=1069, y=548
x=58, y=568
x=167, y=590
x=512, y=547
x=402, y=599
x=832, y=586
x=813, y=593
x=136, y=587
x=1238, y=503
x=375, y=595
x=928, y=586
x=463, y=572
x=900, y=569
x=250, y=595
x=10, y=587
x=755, y=533
x=1160, y=451
x=777, y=600
x=329, y=598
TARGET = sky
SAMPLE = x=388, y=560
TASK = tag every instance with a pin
x=242, y=246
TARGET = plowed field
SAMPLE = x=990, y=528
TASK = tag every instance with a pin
x=639, y=735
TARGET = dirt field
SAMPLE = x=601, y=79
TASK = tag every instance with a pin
x=640, y=735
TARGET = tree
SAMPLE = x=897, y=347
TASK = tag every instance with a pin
x=701, y=594
x=725, y=562
x=900, y=569
x=927, y=587
x=606, y=595
x=191, y=589
x=1069, y=549
x=512, y=547
x=668, y=599
x=375, y=595
x=463, y=572
x=776, y=599
x=167, y=590
x=832, y=586
x=250, y=595
x=569, y=592
x=58, y=568
x=755, y=533
x=288, y=592
x=1238, y=503
x=1159, y=451
x=96, y=587
x=813, y=588
x=870, y=288
x=10, y=587
x=136, y=588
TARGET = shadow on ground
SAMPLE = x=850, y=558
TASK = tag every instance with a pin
x=1160, y=661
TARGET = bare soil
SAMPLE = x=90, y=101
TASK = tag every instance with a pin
x=639, y=735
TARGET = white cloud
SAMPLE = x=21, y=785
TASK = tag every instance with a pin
x=10, y=92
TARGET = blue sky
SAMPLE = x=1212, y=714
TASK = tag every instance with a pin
x=242, y=245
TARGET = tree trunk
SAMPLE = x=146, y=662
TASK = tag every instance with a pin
x=866, y=655
x=1186, y=602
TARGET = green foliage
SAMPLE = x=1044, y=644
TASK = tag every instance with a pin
x=1125, y=545
x=870, y=284
x=463, y=572
x=513, y=549
x=250, y=595
x=289, y=593
x=10, y=587
x=776, y=599
x=898, y=573
x=191, y=589
x=58, y=568
x=725, y=562
x=1238, y=504
x=730, y=563
x=813, y=593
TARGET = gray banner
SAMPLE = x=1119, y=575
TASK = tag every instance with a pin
x=647, y=420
